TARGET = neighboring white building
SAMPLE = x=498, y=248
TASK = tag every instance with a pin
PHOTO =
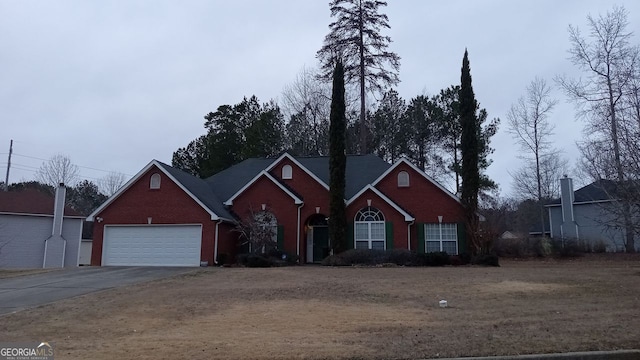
x=38, y=231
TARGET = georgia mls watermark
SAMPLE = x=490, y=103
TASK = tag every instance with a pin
x=26, y=351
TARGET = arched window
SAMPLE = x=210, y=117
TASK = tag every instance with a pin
x=287, y=172
x=403, y=179
x=369, y=229
x=155, y=181
x=263, y=232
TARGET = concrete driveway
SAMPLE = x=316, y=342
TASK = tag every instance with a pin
x=23, y=292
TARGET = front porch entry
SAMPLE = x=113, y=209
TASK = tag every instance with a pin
x=317, y=232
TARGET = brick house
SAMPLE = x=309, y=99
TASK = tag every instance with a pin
x=164, y=216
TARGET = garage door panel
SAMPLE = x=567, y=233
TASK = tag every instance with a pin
x=172, y=245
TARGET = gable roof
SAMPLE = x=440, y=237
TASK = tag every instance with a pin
x=228, y=182
x=199, y=190
x=360, y=171
x=598, y=191
x=264, y=173
x=32, y=202
x=407, y=216
x=195, y=187
x=404, y=160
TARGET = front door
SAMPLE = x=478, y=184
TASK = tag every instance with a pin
x=320, y=243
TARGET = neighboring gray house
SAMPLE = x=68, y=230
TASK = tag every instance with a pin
x=37, y=230
x=585, y=215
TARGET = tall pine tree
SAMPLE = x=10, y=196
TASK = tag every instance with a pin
x=470, y=150
x=355, y=37
x=337, y=163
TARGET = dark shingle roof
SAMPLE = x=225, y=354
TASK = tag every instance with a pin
x=227, y=182
x=200, y=189
x=30, y=201
x=213, y=191
x=596, y=191
x=361, y=170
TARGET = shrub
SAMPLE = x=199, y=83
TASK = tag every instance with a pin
x=356, y=257
x=568, y=249
x=517, y=247
x=599, y=247
x=284, y=257
x=254, y=260
x=272, y=258
x=434, y=259
x=398, y=257
x=222, y=259
x=486, y=260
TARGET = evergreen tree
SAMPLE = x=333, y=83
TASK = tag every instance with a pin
x=235, y=133
x=391, y=129
x=469, y=147
x=355, y=37
x=85, y=197
x=337, y=163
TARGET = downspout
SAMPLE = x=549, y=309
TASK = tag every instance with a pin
x=215, y=244
x=298, y=232
x=64, y=252
x=44, y=259
x=409, y=234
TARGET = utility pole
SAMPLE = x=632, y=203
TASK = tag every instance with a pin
x=6, y=179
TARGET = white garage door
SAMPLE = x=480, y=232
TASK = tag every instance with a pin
x=169, y=245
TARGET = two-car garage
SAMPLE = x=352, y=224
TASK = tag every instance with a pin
x=152, y=245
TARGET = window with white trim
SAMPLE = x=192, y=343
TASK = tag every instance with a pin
x=287, y=172
x=403, y=179
x=441, y=237
x=154, y=183
x=369, y=229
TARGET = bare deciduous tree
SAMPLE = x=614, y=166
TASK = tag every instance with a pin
x=305, y=104
x=609, y=62
x=112, y=182
x=259, y=230
x=552, y=167
x=58, y=169
x=529, y=124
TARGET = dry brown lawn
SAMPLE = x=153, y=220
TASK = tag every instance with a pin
x=9, y=273
x=312, y=312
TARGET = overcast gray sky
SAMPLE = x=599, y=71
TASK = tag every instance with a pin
x=115, y=84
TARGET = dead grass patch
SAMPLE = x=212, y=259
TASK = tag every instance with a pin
x=9, y=273
x=347, y=313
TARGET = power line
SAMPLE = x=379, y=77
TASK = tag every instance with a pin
x=80, y=166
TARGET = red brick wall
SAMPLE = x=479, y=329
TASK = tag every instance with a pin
x=390, y=214
x=313, y=194
x=227, y=242
x=283, y=207
x=167, y=205
x=424, y=200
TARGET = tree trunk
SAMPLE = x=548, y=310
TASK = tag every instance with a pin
x=363, y=125
x=626, y=208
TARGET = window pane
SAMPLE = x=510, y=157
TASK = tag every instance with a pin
x=377, y=231
x=449, y=232
x=362, y=231
x=377, y=245
x=362, y=244
x=432, y=231
x=433, y=246
x=449, y=247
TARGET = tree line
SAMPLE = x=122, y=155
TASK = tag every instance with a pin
x=447, y=134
